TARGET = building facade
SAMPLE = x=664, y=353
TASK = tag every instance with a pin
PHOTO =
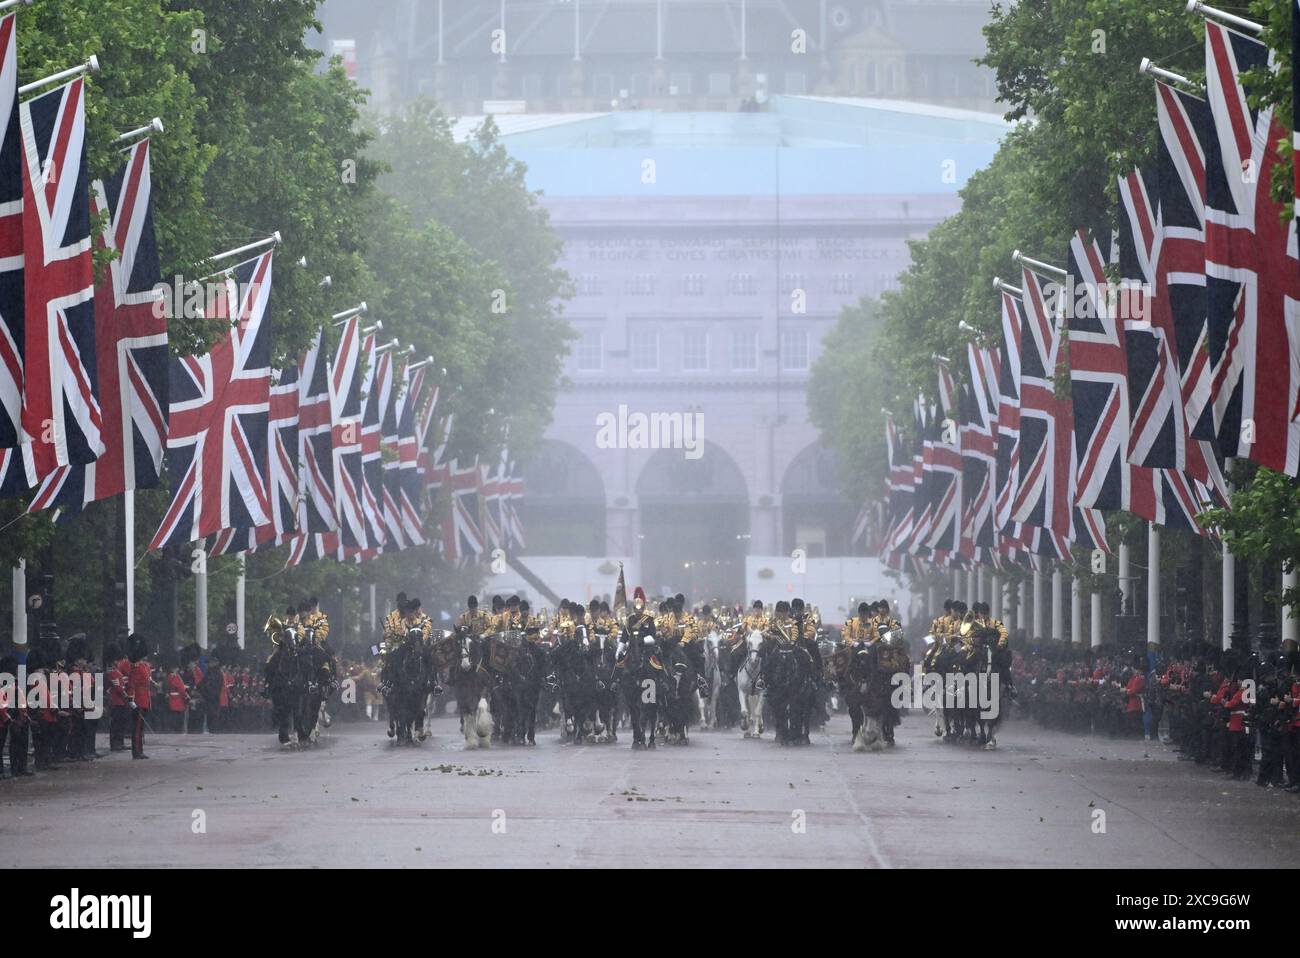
x=546, y=56
x=710, y=254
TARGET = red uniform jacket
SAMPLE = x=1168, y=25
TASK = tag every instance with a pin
x=118, y=676
x=177, y=694
x=1236, y=707
x=1136, y=686
x=141, y=673
x=227, y=681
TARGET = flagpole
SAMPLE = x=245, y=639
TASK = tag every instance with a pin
x=240, y=584
x=971, y=594
x=272, y=240
x=10, y=4
x=1022, y=605
x=1038, y=605
x=996, y=597
x=128, y=524
x=1229, y=582
x=153, y=126
x=338, y=319
x=1205, y=10
x=1096, y=619
x=1125, y=583
x=1153, y=584
x=1076, y=610
x=1058, y=609
x=1290, y=626
x=374, y=622
x=200, y=557
x=20, y=604
x=90, y=66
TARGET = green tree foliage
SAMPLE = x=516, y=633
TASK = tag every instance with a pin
x=262, y=135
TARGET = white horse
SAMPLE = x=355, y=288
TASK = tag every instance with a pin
x=751, y=701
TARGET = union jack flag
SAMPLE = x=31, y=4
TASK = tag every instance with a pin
x=1252, y=273
x=461, y=537
x=1098, y=382
x=1045, y=496
x=345, y=435
x=410, y=492
x=1162, y=243
x=61, y=416
x=316, y=510
x=12, y=334
x=131, y=350
x=1007, y=468
x=944, y=488
x=978, y=448
x=391, y=466
x=901, y=497
x=220, y=406
x=922, y=457
x=375, y=384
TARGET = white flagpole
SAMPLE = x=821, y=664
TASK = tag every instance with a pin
x=90, y=66
x=239, y=601
x=1058, y=609
x=996, y=598
x=1096, y=619
x=128, y=524
x=374, y=622
x=1229, y=585
x=1153, y=584
x=1076, y=611
x=1038, y=605
x=20, y=604
x=1125, y=583
x=971, y=594
x=200, y=568
x=1022, y=606
x=1290, y=626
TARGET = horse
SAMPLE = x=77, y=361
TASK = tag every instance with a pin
x=787, y=675
x=993, y=661
x=288, y=673
x=574, y=676
x=518, y=667
x=947, y=663
x=643, y=685
x=604, y=657
x=408, y=678
x=725, y=701
x=680, y=683
x=463, y=656
x=748, y=668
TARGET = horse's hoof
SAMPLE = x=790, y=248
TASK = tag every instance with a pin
x=637, y=746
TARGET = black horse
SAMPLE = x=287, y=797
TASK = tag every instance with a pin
x=408, y=678
x=643, y=686
x=574, y=676
x=604, y=659
x=684, y=664
x=726, y=699
x=292, y=686
x=791, y=690
x=518, y=668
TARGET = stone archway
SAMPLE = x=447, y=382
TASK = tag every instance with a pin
x=815, y=516
x=694, y=525
x=563, y=508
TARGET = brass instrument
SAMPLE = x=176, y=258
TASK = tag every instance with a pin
x=274, y=628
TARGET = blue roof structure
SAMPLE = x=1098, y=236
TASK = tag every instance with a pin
x=798, y=146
